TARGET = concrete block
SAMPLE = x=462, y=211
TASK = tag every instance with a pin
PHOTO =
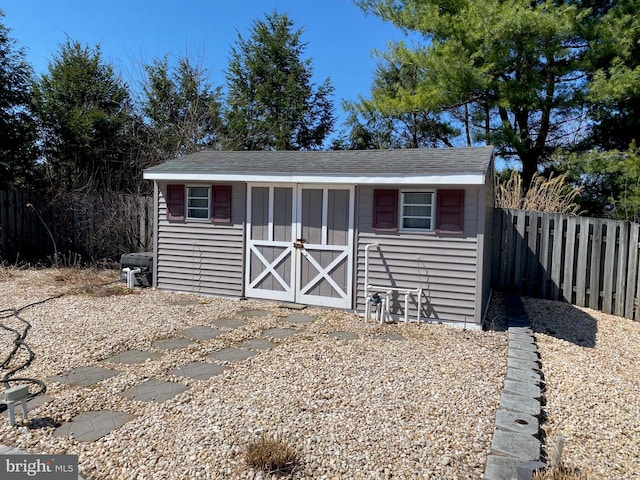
x=524, y=375
x=522, y=364
x=521, y=330
x=517, y=445
x=517, y=422
x=518, y=403
x=521, y=337
x=500, y=468
x=526, y=389
x=523, y=354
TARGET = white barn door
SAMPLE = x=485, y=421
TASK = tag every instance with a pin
x=300, y=244
x=270, y=238
x=324, y=266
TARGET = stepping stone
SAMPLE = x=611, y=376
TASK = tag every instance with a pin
x=202, y=333
x=257, y=344
x=228, y=322
x=154, y=391
x=90, y=426
x=299, y=318
x=231, y=355
x=279, y=332
x=199, y=370
x=172, y=343
x=390, y=336
x=343, y=335
x=132, y=357
x=255, y=313
x=84, y=376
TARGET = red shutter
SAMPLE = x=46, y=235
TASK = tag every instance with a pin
x=450, y=211
x=221, y=203
x=385, y=209
x=175, y=202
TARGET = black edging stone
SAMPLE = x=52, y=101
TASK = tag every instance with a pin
x=515, y=451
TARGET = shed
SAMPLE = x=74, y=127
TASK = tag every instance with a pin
x=317, y=228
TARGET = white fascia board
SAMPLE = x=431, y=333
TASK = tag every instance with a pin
x=469, y=179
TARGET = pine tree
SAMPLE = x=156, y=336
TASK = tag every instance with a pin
x=272, y=101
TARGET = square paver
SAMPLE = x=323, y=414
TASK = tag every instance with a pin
x=173, y=343
x=84, y=376
x=343, y=335
x=90, y=426
x=133, y=357
x=154, y=391
x=279, y=332
x=231, y=355
x=202, y=333
x=228, y=322
x=299, y=318
x=199, y=370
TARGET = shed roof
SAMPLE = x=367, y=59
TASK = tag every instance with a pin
x=403, y=166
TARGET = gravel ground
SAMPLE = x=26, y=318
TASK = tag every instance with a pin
x=591, y=365
x=422, y=407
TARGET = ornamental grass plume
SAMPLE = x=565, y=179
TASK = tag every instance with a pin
x=548, y=195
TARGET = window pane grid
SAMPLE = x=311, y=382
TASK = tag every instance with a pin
x=417, y=210
x=198, y=202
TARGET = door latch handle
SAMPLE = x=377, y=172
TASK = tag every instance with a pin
x=299, y=243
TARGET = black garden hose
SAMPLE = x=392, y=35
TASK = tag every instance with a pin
x=19, y=344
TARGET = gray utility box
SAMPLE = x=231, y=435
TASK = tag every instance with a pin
x=132, y=261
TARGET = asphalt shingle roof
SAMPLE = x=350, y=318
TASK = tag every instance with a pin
x=339, y=163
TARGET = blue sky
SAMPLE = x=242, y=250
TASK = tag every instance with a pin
x=340, y=36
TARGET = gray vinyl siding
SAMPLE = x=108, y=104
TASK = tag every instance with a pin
x=199, y=256
x=445, y=266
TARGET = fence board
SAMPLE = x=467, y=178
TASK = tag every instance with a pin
x=533, y=261
x=582, y=258
x=597, y=242
x=632, y=272
x=556, y=261
x=622, y=262
x=609, y=267
x=546, y=230
x=569, y=261
x=519, y=251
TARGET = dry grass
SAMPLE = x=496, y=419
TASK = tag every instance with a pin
x=271, y=455
x=561, y=472
x=6, y=273
x=550, y=195
x=73, y=281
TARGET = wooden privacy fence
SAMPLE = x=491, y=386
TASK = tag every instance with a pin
x=93, y=226
x=590, y=262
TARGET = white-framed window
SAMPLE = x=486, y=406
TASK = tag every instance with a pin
x=198, y=202
x=417, y=210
